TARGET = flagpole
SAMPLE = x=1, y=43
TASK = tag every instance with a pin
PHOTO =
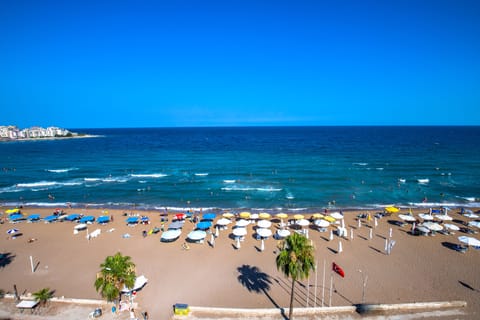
x=316, y=278
x=331, y=288
x=323, y=283
x=308, y=290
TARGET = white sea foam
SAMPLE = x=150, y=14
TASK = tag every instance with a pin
x=149, y=175
x=204, y=174
x=92, y=179
x=360, y=164
x=37, y=184
x=229, y=181
x=239, y=188
x=423, y=181
x=401, y=180
x=61, y=170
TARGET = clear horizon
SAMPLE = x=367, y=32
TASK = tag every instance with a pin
x=242, y=63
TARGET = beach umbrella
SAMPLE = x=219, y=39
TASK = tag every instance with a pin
x=50, y=218
x=298, y=216
x=33, y=217
x=10, y=211
x=336, y=215
x=282, y=233
x=228, y=215
x=176, y=225
x=245, y=215
x=471, y=215
x=197, y=235
x=426, y=216
x=209, y=216
x=321, y=223
x=16, y=217
x=469, y=241
x=203, y=225
x=317, y=216
x=392, y=209
x=444, y=217
x=264, y=224
x=223, y=222
x=129, y=220
x=474, y=224
x=180, y=216
x=171, y=234
x=264, y=233
x=406, y=217
x=242, y=223
x=433, y=226
x=264, y=215
x=329, y=219
x=451, y=226
x=79, y=227
x=103, y=219
x=12, y=231
x=302, y=222
x=254, y=216
x=423, y=229
x=239, y=232
x=281, y=215
x=72, y=217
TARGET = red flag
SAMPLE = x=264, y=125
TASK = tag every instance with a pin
x=336, y=268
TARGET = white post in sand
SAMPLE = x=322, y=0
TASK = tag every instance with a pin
x=359, y=223
x=386, y=245
x=331, y=235
x=370, y=235
x=413, y=227
x=212, y=240
x=316, y=284
x=238, y=242
x=390, y=233
x=351, y=233
x=323, y=283
x=375, y=222
x=31, y=264
x=216, y=231
x=340, y=249
x=343, y=223
x=308, y=291
x=262, y=245
x=331, y=289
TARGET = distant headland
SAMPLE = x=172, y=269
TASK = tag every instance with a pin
x=13, y=133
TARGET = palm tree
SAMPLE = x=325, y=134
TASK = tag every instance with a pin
x=43, y=296
x=295, y=260
x=116, y=272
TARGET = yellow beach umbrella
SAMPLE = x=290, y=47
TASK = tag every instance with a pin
x=298, y=216
x=281, y=215
x=264, y=215
x=244, y=214
x=228, y=215
x=329, y=219
x=10, y=211
x=392, y=209
x=317, y=216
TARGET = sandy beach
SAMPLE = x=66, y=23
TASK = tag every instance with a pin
x=418, y=269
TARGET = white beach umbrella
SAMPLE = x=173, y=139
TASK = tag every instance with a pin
x=264, y=224
x=171, y=234
x=426, y=217
x=302, y=222
x=224, y=222
x=242, y=223
x=407, y=217
x=321, y=223
x=80, y=226
x=336, y=215
x=474, y=224
x=433, y=226
x=12, y=231
x=423, y=229
x=254, y=216
x=471, y=215
x=451, y=226
x=469, y=241
x=443, y=217
x=239, y=232
x=197, y=235
x=282, y=233
x=264, y=233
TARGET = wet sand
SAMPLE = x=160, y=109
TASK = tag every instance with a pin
x=419, y=268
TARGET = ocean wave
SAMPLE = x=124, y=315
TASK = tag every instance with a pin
x=229, y=181
x=423, y=181
x=363, y=164
x=37, y=184
x=201, y=174
x=149, y=175
x=261, y=189
x=61, y=170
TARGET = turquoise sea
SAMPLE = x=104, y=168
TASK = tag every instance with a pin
x=266, y=168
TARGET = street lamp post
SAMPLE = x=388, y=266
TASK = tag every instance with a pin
x=364, y=284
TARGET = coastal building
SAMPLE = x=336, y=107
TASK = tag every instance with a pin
x=14, y=133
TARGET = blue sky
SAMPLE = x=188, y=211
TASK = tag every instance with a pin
x=226, y=63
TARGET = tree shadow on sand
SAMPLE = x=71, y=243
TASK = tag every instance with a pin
x=254, y=280
x=6, y=259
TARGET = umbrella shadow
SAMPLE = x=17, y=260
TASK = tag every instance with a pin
x=454, y=246
x=332, y=250
x=6, y=259
x=254, y=280
x=375, y=249
x=466, y=285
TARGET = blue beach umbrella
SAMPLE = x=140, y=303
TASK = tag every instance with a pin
x=72, y=217
x=33, y=217
x=209, y=216
x=16, y=217
x=50, y=218
x=103, y=219
x=87, y=219
x=203, y=225
x=131, y=220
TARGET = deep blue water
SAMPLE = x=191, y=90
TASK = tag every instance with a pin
x=250, y=167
